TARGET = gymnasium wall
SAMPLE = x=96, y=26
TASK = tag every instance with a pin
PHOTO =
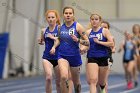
x=109, y=9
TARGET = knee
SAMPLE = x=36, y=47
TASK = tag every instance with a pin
x=129, y=70
x=92, y=81
x=70, y=78
x=48, y=78
x=63, y=78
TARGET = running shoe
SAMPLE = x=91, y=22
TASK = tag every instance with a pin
x=129, y=85
x=135, y=83
x=102, y=91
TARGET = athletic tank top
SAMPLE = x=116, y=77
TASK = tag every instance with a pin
x=68, y=47
x=97, y=50
x=129, y=50
x=49, y=43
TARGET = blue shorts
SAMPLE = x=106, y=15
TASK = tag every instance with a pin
x=74, y=61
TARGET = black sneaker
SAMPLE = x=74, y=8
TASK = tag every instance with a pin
x=135, y=83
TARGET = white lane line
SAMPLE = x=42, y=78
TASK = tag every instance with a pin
x=21, y=86
x=30, y=89
x=130, y=91
x=35, y=88
x=27, y=90
x=6, y=84
x=116, y=85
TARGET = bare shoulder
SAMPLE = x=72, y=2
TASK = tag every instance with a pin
x=79, y=26
x=43, y=30
x=106, y=32
x=88, y=31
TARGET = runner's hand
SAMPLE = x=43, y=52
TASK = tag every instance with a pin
x=40, y=41
x=52, y=51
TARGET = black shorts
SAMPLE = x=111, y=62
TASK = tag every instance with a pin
x=102, y=61
x=127, y=61
x=53, y=62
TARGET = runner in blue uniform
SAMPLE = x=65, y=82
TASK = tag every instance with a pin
x=69, y=58
x=97, y=55
x=111, y=50
x=50, y=60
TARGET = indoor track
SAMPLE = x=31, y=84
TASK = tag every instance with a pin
x=36, y=84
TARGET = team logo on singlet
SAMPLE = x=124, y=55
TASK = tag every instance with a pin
x=99, y=36
x=71, y=31
x=54, y=34
x=68, y=31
